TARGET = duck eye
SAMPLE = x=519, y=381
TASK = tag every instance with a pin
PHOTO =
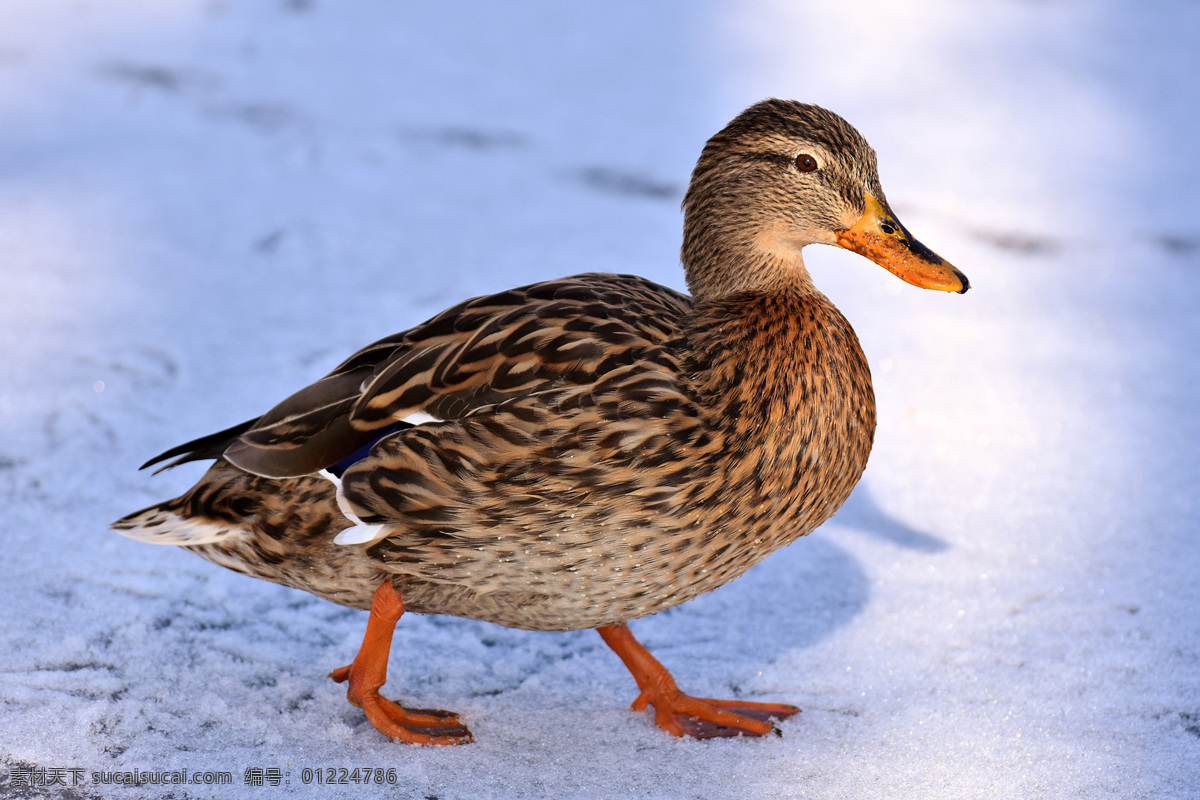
x=805, y=162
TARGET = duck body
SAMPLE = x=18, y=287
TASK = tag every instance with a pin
x=664, y=473
x=585, y=451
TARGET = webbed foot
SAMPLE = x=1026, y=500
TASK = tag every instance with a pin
x=681, y=714
x=366, y=675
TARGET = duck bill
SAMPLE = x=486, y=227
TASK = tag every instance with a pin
x=879, y=236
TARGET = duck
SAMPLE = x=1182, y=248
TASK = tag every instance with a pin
x=585, y=451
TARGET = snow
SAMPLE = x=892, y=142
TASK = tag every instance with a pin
x=206, y=204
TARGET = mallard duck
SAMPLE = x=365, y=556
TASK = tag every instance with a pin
x=585, y=451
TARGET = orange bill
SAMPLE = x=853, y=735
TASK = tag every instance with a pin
x=879, y=236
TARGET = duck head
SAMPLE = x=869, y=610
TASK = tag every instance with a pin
x=783, y=175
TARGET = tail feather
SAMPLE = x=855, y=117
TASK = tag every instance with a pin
x=161, y=524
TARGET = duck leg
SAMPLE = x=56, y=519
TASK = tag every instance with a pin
x=678, y=713
x=368, y=672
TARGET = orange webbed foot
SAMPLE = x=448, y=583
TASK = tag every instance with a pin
x=366, y=675
x=412, y=725
x=681, y=714
x=706, y=718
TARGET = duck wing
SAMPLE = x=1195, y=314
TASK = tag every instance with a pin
x=484, y=351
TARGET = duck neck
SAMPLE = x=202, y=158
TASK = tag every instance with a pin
x=761, y=259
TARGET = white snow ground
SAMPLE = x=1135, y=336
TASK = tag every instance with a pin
x=206, y=204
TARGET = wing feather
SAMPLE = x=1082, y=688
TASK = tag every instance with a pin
x=484, y=351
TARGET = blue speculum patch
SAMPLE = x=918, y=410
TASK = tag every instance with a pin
x=362, y=452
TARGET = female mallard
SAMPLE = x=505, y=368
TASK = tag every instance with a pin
x=585, y=451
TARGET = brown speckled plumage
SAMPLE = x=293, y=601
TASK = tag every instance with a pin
x=604, y=447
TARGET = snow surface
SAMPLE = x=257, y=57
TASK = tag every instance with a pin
x=205, y=204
